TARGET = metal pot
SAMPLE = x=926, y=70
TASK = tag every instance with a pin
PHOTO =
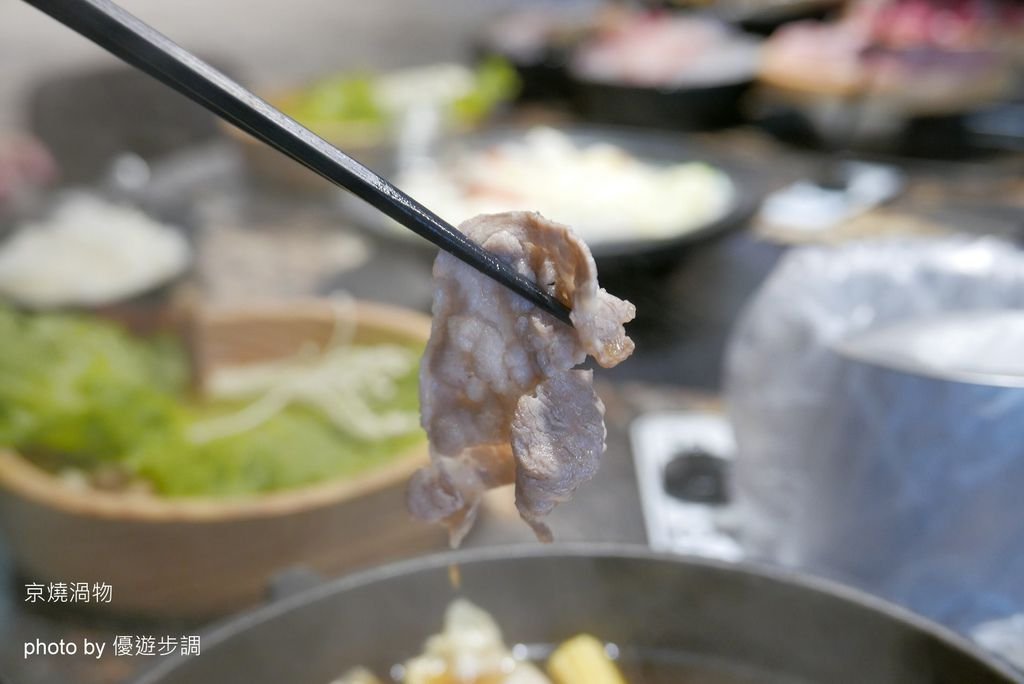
x=915, y=491
x=674, y=620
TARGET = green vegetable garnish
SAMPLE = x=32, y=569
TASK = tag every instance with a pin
x=296, y=447
x=83, y=389
x=79, y=393
x=340, y=99
x=359, y=99
x=496, y=82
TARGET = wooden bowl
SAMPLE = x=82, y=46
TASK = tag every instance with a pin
x=200, y=557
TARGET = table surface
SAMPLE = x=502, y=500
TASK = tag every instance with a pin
x=678, y=359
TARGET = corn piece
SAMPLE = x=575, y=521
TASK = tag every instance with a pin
x=582, y=660
x=358, y=675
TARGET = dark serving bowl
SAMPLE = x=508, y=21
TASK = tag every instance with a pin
x=692, y=107
x=674, y=620
x=957, y=136
x=700, y=101
x=760, y=18
x=764, y=22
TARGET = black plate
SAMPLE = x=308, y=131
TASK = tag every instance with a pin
x=674, y=620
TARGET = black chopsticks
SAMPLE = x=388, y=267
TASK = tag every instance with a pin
x=138, y=44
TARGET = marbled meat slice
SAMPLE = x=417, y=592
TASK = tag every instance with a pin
x=499, y=398
x=557, y=440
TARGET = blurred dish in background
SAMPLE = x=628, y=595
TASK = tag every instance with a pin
x=806, y=208
x=537, y=42
x=666, y=51
x=365, y=114
x=908, y=56
x=951, y=25
x=89, y=251
x=664, y=70
x=624, y=192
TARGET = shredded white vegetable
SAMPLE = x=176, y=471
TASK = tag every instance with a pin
x=342, y=381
